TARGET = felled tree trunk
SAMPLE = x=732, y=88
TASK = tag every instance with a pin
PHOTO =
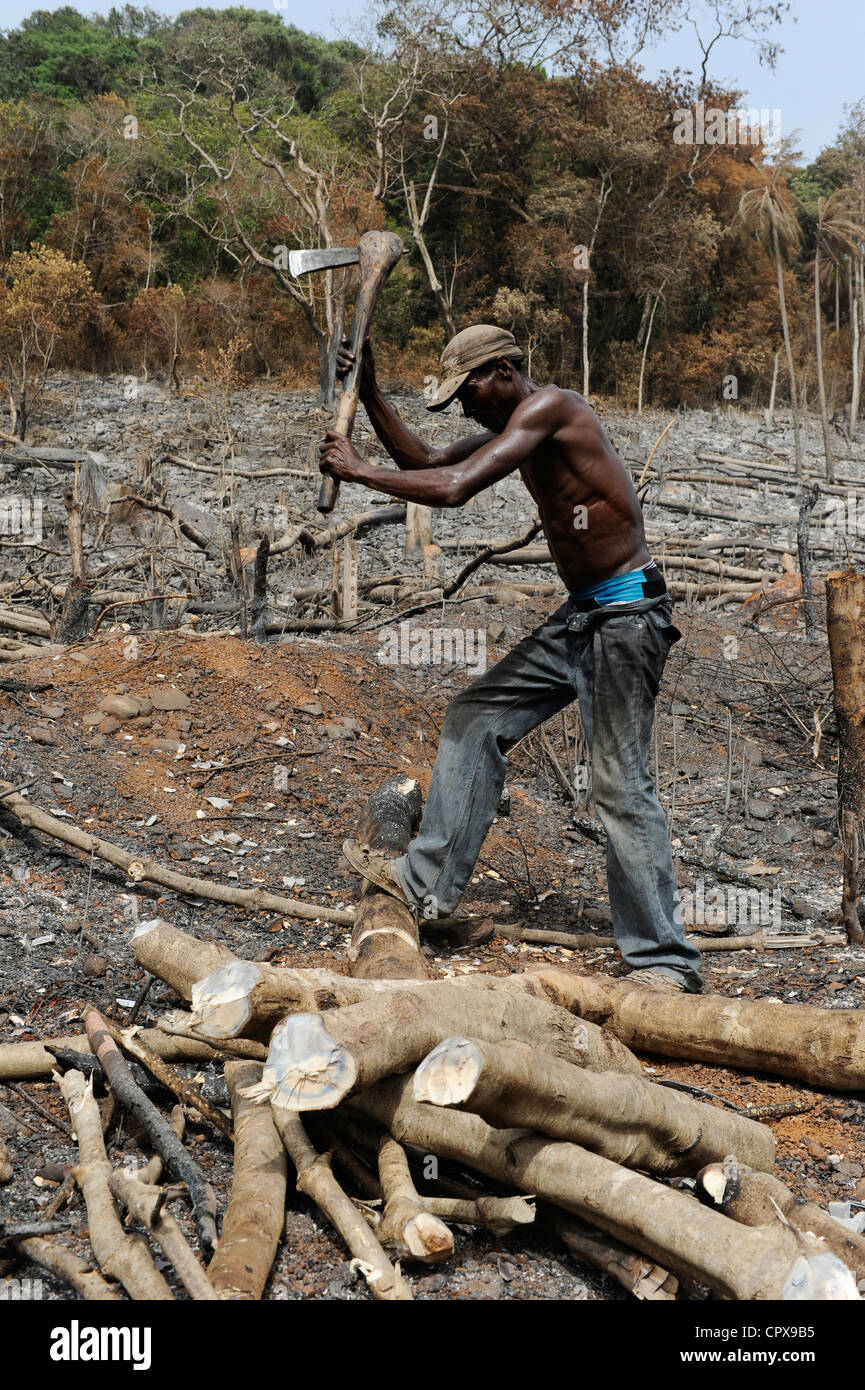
x=824, y=1047
x=253, y=1219
x=759, y=1199
x=845, y=609
x=625, y=1118
x=176, y=957
x=663, y=1223
x=407, y=1226
x=243, y=998
x=384, y=937
x=316, y=1059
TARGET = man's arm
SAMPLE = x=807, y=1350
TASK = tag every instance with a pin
x=452, y=484
x=405, y=448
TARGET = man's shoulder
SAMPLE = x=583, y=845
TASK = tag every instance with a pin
x=556, y=405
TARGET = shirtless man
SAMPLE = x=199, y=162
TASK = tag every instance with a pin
x=606, y=646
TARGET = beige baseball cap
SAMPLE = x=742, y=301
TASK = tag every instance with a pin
x=467, y=350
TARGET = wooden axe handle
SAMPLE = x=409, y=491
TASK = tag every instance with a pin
x=378, y=254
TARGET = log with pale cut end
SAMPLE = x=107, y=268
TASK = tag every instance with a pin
x=317, y=1059
x=663, y=1223
x=759, y=1199
x=407, y=1226
x=249, y=999
x=316, y=1180
x=625, y=1118
x=384, y=938
x=176, y=957
x=253, y=1219
x=120, y=1256
x=824, y=1047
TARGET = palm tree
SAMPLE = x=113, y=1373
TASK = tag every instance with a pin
x=769, y=213
x=839, y=234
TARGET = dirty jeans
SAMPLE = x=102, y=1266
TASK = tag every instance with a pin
x=611, y=660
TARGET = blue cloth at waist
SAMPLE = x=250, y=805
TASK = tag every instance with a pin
x=621, y=588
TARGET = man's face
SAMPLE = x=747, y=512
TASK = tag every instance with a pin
x=481, y=396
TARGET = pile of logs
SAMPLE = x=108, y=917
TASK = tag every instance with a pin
x=388, y=1095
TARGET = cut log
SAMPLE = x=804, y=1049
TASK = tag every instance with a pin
x=176, y=957
x=845, y=608
x=317, y=1059
x=384, y=938
x=254, y=1217
x=759, y=1199
x=823, y=1047
x=625, y=1118
x=315, y=1179
x=120, y=1256
x=663, y=1223
x=178, y=1162
x=243, y=998
x=407, y=1226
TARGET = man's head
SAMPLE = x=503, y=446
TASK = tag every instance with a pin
x=481, y=367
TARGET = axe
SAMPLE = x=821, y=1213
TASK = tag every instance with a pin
x=376, y=253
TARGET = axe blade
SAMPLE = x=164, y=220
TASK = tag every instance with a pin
x=326, y=258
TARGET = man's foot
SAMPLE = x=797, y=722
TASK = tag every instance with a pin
x=376, y=867
x=656, y=980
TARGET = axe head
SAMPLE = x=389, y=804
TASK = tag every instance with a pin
x=301, y=262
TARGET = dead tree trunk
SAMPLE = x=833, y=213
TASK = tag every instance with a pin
x=823, y=1047
x=845, y=607
x=625, y=1118
x=385, y=935
x=808, y=498
x=418, y=529
x=258, y=607
x=75, y=613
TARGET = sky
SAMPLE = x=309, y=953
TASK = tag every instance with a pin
x=820, y=71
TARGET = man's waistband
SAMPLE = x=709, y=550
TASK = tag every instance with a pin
x=645, y=582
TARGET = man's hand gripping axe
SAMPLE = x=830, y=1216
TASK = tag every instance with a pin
x=376, y=253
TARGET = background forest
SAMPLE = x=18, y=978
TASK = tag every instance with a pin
x=155, y=173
